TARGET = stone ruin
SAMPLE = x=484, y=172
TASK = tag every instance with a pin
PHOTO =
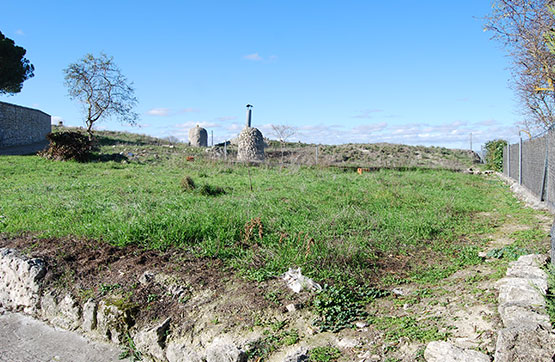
x=198, y=137
x=250, y=142
x=250, y=147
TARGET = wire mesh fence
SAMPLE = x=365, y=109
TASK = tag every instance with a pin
x=534, y=165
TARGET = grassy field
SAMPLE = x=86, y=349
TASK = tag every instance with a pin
x=378, y=228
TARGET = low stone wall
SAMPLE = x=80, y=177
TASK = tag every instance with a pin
x=21, y=290
x=22, y=126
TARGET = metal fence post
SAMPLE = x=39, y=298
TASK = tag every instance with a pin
x=553, y=243
x=546, y=165
x=520, y=161
x=509, y=159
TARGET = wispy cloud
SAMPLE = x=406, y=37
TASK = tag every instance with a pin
x=159, y=112
x=166, y=112
x=19, y=32
x=254, y=57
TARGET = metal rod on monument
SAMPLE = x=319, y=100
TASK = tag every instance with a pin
x=249, y=114
x=520, y=160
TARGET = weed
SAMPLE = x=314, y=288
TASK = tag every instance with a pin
x=209, y=190
x=510, y=252
x=152, y=298
x=187, y=184
x=339, y=307
x=104, y=289
x=130, y=350
x=550, y=296
x=260, y=349
x=324, y=354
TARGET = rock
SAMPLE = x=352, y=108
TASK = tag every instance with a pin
x=223, y=350
x=519, y=270
x=65, y=314
x=440, y=351
x=514, y=315
x=291, y=308
x=297, y=282
x=347, y=342
x=398, y=291
x=525, y=343
x=89, y=315
x=147, y=277
x=300, y=355
x=152, y=341
x=522, y=291
x=361, y=324
x=178, y=351
x=112, y=323
x=250, y=146
x=198, y=137
x=20, y=281
x=532, y=260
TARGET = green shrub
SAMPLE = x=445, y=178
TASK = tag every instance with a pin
x=209, y=190
x=494, y=157
x=68, y=145
x=339, y=307
x=187, y=184
x=324, y=354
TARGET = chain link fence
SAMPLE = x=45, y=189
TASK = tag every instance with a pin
x=532, y=163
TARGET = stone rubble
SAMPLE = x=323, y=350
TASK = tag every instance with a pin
x=297, y=282
x=528, y=335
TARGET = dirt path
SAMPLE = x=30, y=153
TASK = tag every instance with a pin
x=24, y=339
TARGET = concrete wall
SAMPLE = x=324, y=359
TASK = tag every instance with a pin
x=22, y=126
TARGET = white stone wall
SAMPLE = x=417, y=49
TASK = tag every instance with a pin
x=21, y=126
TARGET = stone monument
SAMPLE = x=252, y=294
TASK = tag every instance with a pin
x=250, y=145
x=198, y=137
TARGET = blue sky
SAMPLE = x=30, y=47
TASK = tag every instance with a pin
x=395, y=71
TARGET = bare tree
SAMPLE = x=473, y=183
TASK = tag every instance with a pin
x=283, y=133
x=521, y=26
x=102, y=90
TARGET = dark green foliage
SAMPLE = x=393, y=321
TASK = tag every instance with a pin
x=187, y=184
x=494, y=157
x=66, y=146
x=14, y=67
x=324, y=354
x=260, y=349
x=209, y=190
x=339, y=307
x=510, y=252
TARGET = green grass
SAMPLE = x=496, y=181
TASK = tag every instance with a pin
x=338, y=226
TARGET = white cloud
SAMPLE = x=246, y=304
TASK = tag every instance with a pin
x=159, y=112
x=254, y=57
x=19, y=32
x=166, y=112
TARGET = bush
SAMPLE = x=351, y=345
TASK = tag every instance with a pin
x=494, y=156
x=209, y=190
x=68, y=145
x=187, y=184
